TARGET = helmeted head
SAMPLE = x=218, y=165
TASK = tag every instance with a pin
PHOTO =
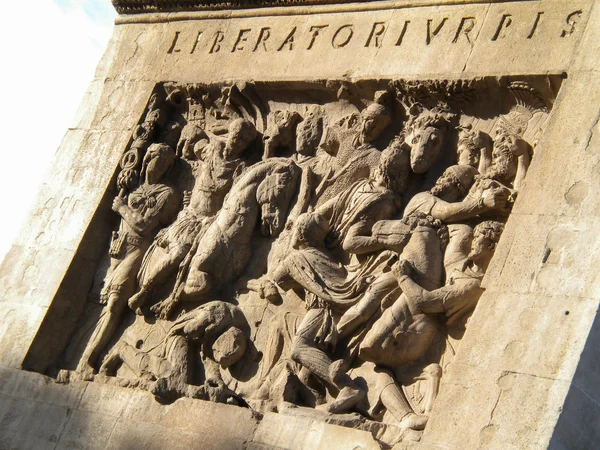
x=374, y=119
x=454, y=183
x=504, y=156
x=241, y=134
x=394, y=167
x=157, y=160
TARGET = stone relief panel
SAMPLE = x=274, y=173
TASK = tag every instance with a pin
x=311, y=248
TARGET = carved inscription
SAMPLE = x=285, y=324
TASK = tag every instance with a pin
x=377, y=35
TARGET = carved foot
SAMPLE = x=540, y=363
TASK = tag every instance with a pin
x=337, y=369
x=263, y=392
x=166, y=390
x=347, y=399
x=86, y=372
x=112, y=360
x=63, y=377
x=137, y=301
x=414, y=422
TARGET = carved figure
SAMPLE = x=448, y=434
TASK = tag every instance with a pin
x=220, y=165
x=316, y=172
x=351, y=141
x=406, y=330
x=463, y=285
x=343, y=224
x=223, y=251
x=152, y=205
x=419, y=239
x=217, y=328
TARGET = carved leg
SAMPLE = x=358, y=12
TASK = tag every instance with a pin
x=432, y=375
x=314, y=359
x=175, y=383
x=105, y=329
x=113, y=360
x=368, y=304
x=395, y=401
x=191, y=283
x=161, y=264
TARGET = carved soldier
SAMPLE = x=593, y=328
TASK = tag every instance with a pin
x=152, y=205
x=280, y=132
x=406, y=330
x=262, y=194
x=220, y=166
x=351, y=143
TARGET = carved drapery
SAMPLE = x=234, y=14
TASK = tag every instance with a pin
x=316, y=244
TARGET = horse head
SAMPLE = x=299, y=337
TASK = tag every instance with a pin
x=426, y=133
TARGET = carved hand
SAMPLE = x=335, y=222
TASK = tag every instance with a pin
x=264, y=288
x=494, y=198
x=519, y=146
x=402, y=268
x=118, y=203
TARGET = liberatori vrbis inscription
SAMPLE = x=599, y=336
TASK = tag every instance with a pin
x=312, y=248
x=452, y=28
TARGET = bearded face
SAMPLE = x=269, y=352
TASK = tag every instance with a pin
x=447, y=188
x=482, y=249
x=504, y=164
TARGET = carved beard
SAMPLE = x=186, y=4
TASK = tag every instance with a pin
x=503, y=164
x=437, y=190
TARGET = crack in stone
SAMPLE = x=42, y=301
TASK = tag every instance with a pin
x=591, y=135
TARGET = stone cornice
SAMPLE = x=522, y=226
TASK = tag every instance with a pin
x=146, y=6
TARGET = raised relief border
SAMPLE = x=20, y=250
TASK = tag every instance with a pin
x=311, y=248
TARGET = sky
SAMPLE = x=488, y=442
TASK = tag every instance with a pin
x=50, y=49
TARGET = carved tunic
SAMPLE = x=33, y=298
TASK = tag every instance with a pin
x=128, y=247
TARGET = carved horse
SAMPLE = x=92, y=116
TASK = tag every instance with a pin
x=264, y=193
x=426, y=132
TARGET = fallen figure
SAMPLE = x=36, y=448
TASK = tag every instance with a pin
x=215, y=328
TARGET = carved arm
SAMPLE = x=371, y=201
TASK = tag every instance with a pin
x=140, y=224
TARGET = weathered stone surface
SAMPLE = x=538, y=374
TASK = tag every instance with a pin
x=277, y=187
